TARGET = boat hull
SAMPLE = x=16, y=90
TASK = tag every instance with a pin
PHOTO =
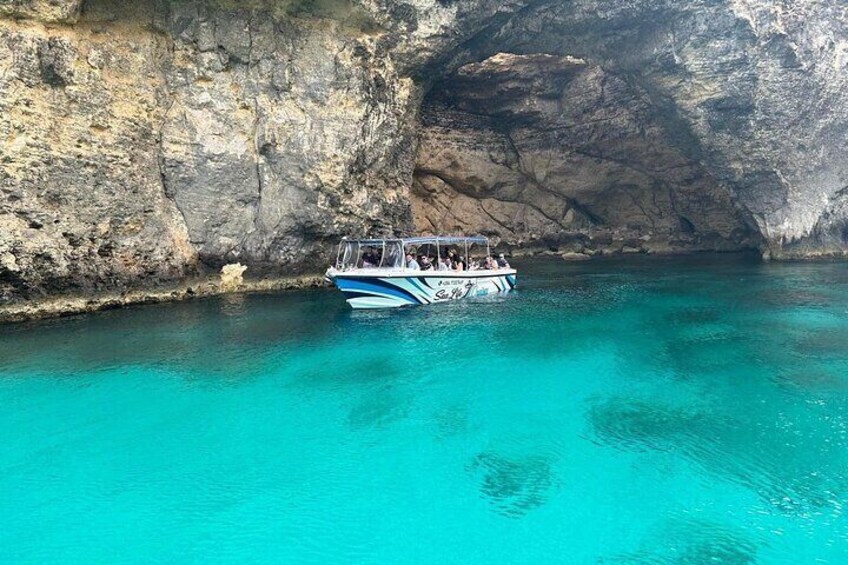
x=364, y=290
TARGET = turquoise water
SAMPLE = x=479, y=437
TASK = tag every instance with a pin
x=649, y=411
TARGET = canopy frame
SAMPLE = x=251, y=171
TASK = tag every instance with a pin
x=437, y=241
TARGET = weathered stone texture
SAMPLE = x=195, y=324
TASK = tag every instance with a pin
x=753, y=90
x=280, y=138
x=551, y=151
x=142, y=142
x=65, y=11
x=81, y=204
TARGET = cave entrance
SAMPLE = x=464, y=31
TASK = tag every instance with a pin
x=554, y=152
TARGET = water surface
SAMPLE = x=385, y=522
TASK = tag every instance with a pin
x=627, y=412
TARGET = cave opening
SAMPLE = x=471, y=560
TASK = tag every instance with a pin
x=556, y=152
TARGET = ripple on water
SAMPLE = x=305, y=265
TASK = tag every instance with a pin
x=513, y=486
x=829, y=343
x=376, y=409
x=176, y=336
x=783, y=457
x=636, y=424
x=696, y=315
x=704, y=355
x=356, y=372
x=814, y=381
x=692, y=542
x=449, y=421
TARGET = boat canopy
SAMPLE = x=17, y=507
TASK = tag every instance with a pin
x=446, y=240
x=389, y=253
x=423, y=240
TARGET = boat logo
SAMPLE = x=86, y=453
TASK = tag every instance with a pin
x=454, y=293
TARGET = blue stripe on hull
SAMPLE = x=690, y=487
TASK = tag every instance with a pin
x=360, y=287
x=393, y=292
x=418, y=287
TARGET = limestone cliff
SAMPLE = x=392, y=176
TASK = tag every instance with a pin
x=144, y=142
x=552, y=151
x=753, y=91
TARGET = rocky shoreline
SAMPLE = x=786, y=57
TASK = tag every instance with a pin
x=60, y=306
x=217, y=285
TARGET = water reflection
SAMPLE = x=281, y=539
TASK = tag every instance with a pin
x=224, y=337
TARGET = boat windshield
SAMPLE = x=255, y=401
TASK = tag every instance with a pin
x=370, y=254
x=436, y=253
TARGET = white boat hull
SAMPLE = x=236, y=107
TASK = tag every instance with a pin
x=372, y=288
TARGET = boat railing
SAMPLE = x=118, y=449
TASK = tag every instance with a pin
x=390, y=254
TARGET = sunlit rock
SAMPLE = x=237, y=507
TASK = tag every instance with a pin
x=232, y=276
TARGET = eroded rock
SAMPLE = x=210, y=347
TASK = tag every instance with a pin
x=144, y=142
x=574, y=256
x=232, y=276
x=538, y=144
x=66, y=11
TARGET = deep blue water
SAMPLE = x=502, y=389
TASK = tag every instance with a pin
x=643, y=411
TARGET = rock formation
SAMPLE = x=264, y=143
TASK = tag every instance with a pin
x=549, y=150
x=753, y=91
x=146, y=142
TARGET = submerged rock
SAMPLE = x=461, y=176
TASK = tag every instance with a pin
x=513, y=486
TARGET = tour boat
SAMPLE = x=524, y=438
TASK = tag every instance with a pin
x=374, y=273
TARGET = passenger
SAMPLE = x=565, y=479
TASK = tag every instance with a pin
x=445, y=264
x=489, y=264
x=502, y=263
x=411, y=263
x=369, y=261
x=426, y=264
x=459, y=264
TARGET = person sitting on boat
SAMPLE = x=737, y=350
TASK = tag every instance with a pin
x=411, y=263
x=444, y=264
x=489, y=264
x=369, y=261
x=459, y=264
x=502, y=263
x=426, y=264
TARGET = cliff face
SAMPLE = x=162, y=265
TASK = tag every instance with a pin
x=82, y=205
x=144, y=142
x=553, y=151
x=753, y=91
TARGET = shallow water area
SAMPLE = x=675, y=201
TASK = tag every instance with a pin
x=648, y=410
